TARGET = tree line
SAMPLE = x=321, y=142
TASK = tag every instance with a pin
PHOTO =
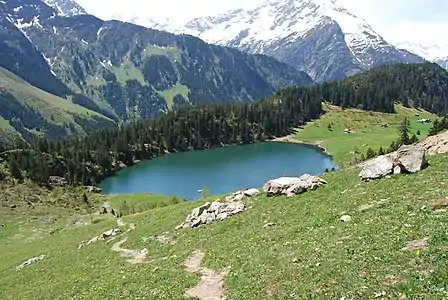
x=87, y=160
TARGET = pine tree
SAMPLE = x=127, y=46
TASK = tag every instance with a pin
x=404, y=132
x=14, y=169
x=435, y=128
x=370, y=153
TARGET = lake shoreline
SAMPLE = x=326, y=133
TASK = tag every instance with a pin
x=290, y=139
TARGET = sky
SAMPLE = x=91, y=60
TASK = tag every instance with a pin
x=416, y=21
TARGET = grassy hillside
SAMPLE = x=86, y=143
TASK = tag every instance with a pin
x=307, y=254
x=29, y=110
x=366, y=128
x=8, y=135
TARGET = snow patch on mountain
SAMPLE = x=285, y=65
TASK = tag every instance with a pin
x=286, y=20
x=430, y=50
x=66, y=8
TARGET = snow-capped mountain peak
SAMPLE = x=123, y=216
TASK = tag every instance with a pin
x=66, y=8
x=429, y=50
x=300, y=32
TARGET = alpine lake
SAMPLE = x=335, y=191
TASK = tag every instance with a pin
x=218, y=171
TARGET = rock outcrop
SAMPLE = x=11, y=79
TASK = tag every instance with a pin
x=29, y=262
x=291, y=186
x=437, y=144
x=211, y=212
x=103, y=236
x=408, y=159
x=218, y=211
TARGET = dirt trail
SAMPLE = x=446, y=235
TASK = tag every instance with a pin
x=132, y=256
x=211, y=286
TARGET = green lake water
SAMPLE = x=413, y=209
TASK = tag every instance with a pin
x=220, y=170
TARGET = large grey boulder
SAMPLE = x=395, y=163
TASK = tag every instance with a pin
x=408, y=159
x=291, y=186
x=411, y=158
x=377, y=168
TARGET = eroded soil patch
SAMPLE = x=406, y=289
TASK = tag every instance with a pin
x=211, y=286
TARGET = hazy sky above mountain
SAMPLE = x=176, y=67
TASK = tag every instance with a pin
x=423, y=21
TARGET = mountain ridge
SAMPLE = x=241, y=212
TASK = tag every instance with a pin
x=433, y=51
x=28, y=112
x=273, y=29
x=126, y=72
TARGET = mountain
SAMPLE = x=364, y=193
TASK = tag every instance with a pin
x=433, y=51
x=20, y=56
x=320, y=37
x=29, y=112
x=443, y=62
x=66, y=8
x=126, y=71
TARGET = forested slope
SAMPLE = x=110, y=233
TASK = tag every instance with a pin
x=87, y=160
x=31, y=112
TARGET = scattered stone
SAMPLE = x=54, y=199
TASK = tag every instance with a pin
x=270, y=224
x=105, y=208
x=58, y=181
x=132, y=256
x=251, y=192
x=120, y=223
x=417, y=245
x=29, y=262
x=408, y=159
x=291, y=186
x=103, y=236
x=211, y=286
x=345, y=218
x=93, y=189
x=379, y=295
